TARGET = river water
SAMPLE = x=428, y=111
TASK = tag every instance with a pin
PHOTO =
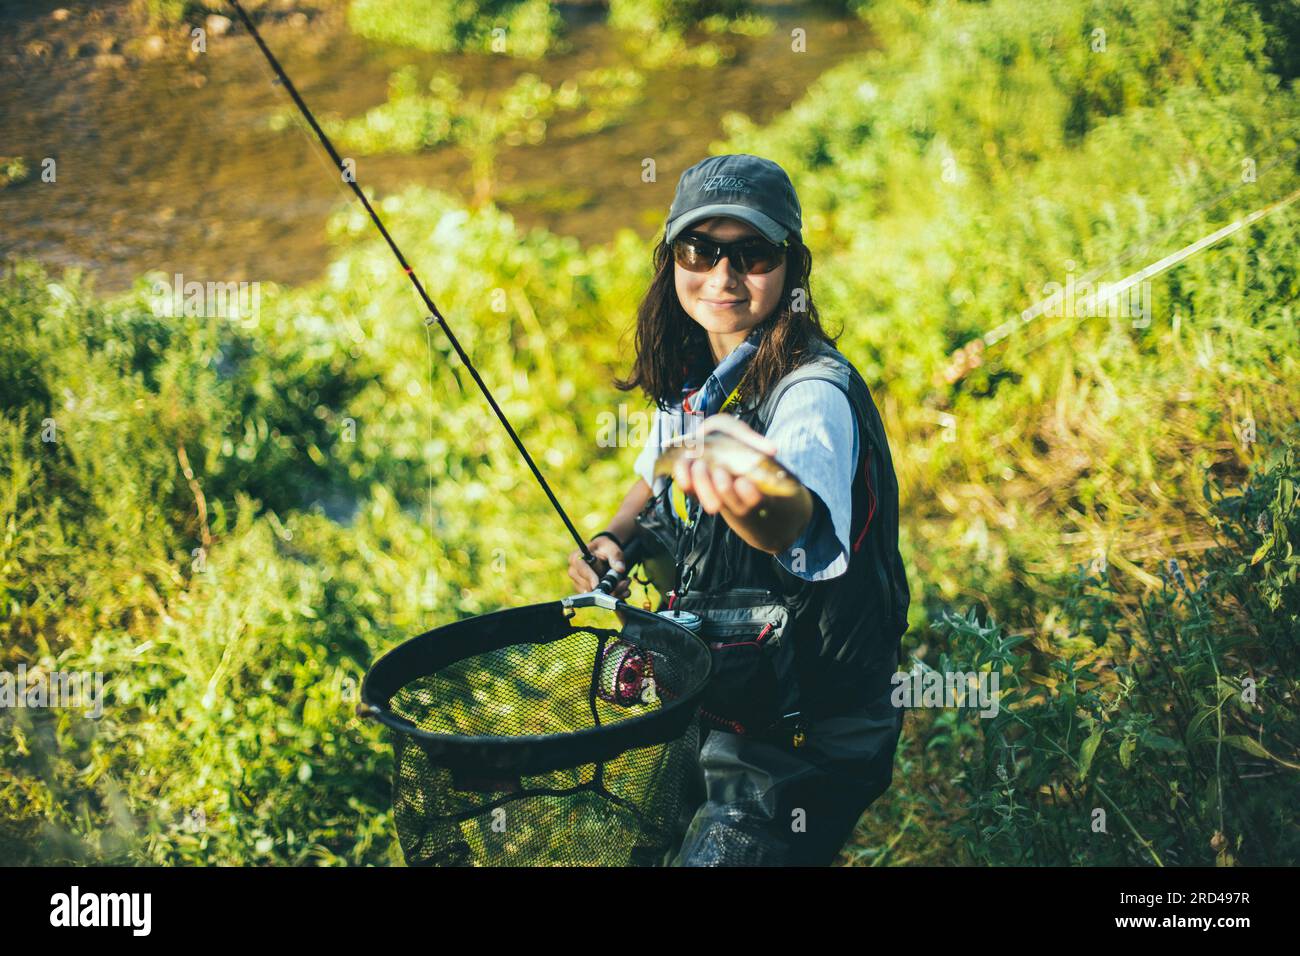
x=164, y=158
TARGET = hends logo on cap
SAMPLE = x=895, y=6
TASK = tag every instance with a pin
x=736, y=183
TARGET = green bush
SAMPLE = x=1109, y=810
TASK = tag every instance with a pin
x=1173, y=740
x=652, y=16
x=532, y=28
x=233, y=630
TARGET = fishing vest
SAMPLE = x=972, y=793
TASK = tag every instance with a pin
x=783, y=645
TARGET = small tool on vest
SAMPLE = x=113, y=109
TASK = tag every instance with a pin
x=798, y=728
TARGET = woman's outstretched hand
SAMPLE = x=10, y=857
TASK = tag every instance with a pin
x=716, y=487
x=607, y=554
x=766, y=522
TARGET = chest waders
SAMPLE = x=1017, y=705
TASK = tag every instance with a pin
x=801, y=731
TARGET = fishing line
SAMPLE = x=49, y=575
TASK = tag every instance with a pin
x=1190, y=215
x=1113, y=291
x=319, y=154
x=1187, y=217
x=1163, y=265
x=434, y=314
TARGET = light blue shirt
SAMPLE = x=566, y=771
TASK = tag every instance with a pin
x=816, y=438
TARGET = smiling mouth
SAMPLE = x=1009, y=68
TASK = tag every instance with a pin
x=724, y=302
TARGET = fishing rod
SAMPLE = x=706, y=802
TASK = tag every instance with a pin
x=410, y=273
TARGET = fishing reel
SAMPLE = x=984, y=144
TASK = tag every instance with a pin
x=627, y=675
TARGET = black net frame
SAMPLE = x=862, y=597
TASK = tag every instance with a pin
x=602, y=784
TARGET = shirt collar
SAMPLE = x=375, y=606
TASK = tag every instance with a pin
x=724, y=378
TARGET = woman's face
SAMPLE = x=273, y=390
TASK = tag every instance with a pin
x=723, y=300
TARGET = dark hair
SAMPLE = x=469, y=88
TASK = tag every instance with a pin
x=670, y=344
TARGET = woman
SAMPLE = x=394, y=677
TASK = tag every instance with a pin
x=802, y=596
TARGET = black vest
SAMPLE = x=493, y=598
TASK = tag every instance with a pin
x=834, y=643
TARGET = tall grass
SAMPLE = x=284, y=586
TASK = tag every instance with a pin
x=1172, y=739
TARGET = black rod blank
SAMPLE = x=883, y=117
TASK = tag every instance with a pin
x=410, y=273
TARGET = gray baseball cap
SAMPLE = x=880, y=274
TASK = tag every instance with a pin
x=748, y=188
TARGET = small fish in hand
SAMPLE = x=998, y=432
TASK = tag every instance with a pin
x=722, y=441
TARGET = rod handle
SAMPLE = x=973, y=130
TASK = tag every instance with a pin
x=631, y=555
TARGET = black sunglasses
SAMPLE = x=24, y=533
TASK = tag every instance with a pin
x=751, y=255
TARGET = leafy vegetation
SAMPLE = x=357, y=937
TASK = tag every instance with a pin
x=523, y=28
x=410, y=121
x=651, y=16
x=13, y=170
x=1172, y=737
